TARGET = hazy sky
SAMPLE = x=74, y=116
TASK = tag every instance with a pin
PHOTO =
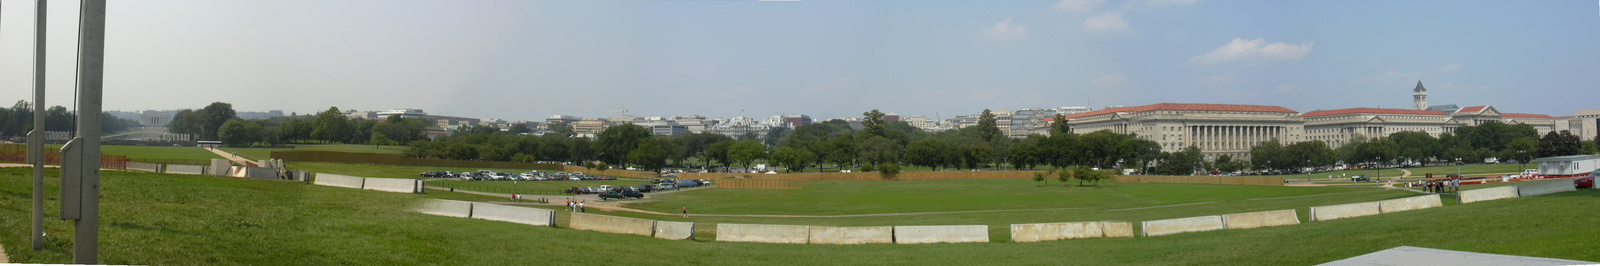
x=527, y=60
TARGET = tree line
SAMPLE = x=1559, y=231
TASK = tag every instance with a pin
x=16, y=121
x=1492, y=139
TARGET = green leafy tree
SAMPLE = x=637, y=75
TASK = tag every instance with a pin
x=793, y=159
x=719, y=152
x=561, y=129
x=746, y=152
x=234, y=133
x=876, y=150
x=1416, y=146
x=930, y=152
x=520, y=128
x=1561, y=143
x=614, y=143
x=650, y=154
x=331, y=126
x=872, y=124
x=1058, y=125
x=213, y=116
x=988, y=128
x=889, y=170
x=1064, y=176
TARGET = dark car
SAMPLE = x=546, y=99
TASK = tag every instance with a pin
x=435, y=174
x=645, y=188
x=1360, y=178
x=621, y=194
x=1586, y=181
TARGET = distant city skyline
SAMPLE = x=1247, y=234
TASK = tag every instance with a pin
x=519, y=60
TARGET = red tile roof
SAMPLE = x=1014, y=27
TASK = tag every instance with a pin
x=1186, y=107
x=1525, y=115
x=1371, y=111
x=1473, y=109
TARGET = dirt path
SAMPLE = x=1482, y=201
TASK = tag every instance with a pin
x=3, y=257
x=232, y=157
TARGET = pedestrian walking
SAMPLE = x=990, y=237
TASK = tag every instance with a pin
x=686, y=211
x=1455, y=185
x=580, y=207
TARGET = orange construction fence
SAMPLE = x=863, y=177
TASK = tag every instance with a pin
x=1219, y=180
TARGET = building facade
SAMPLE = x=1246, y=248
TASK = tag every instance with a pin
x=1338, y=127
x=1217, y=129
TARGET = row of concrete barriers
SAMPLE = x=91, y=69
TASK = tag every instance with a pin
x=1523, y=190
x=803, y=234
x=486, y=211
x=400, y=185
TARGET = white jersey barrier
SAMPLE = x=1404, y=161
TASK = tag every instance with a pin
x=1183, y=225
x=1494, y=193
x=1411, y=203
x=143, y=166
x=401, y=185
x=674, y=230
x=941, y=234
x=1524, y=190
x=521, y=215
x=1341, y=211
x=1260, y=219
x=452, y=208
x=1056, y=231
x=852, y=235
x=764, y=233
x=612, y=224
x=186, y=169
x=334, y=180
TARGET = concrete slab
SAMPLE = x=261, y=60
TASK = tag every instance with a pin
x=399, y=185
x=674, y=230
x=452, y=208
x=1023, y=233
x=1261, y=219
x=1117, y=229
x=1407, y=255
x=521, y=215
x=1486, y=194
x=186, y=169
x=923, y=234
x=220, y=167
x=612, y=224
x=764, y=233
x=1523, y=190
x=1341, y=211
x=852, y=235
x=143, y=166
x=334, y=180
x=1410, y=203
x=1183, y=225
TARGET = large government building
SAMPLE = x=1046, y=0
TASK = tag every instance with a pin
x=1233, y=129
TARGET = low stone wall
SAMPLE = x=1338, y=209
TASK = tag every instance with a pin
x=1524, y=190
x=260, y=172
x=613, y=224
x=1494, y=193
x=941, y=234
x=220, y=167
x=334, y=180
x=186, y=169
x=674, y=230
x=852, y=235
x=400, y=185
x=1411, y=203
x=521, y=215
x=1341, y=211
x=1117, y=229
x=1260, y=219
x=764, y=233
x=1183, y=225
x=452, y=208
x=1055, y=231
x=145, y=167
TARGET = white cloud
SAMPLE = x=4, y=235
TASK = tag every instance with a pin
x=1161, y=3
x=1286, y=88
x=1107, y=22
x=1450, y=68
x=1216, y=80
x=1250, y=49
x=1004, y=30
x=1077, y=5
x=1109, y=80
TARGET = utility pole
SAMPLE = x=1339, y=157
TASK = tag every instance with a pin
x=36, y=137
x=80, y=157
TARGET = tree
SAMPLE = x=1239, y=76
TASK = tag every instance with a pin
x=1415, y=146
x=889, y=170
x=1064, y=176
x=233, y=133
x=988, y=128
x=378, y=138
x=213, y=116
x=975, y=154
x=1268, y=155
x=1058, y=125
x=1180, y=163
x=746, y=152
x=793, y=159
x=649, y=155
x=520, y=128
x=331, y=126
x=1085, y=173
x=928, y=152
x=561, y=129
x=872, y=124
x=1524, y=147
x=875, y=150
x=842, y=150
x=1039, y=176
x=1561, y=143
x=614, y=143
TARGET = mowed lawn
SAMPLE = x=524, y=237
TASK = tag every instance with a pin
x=264, y=153
x=195, y=220
x=153, y=152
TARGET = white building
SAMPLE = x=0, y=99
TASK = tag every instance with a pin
x=1217, y=129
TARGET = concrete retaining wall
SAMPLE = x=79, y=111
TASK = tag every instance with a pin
x=186, y=169
x=613, y=224
x=674, y=230
x=220, y=167
x=401, y=185
x=1494, y=193
x=1411, y=203
x=941, y=234
x=450, y=208
x=1261, y=219
x=1341, y=211
x=143, y=166
x=334, y=180
x=1117, y=229
x=763, y=233
x=1183, y=225
x=1055, y=231
x=852, y=235
x=260, y=172
x=521, y=215
x=1524, y=190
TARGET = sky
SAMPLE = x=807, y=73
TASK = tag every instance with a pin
x=528, y=60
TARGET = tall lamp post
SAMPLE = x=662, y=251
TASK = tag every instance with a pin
x=1522, y=157
x=1458, y=166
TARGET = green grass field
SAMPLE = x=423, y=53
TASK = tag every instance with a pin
x=153, y=152
x=195, y=220
x=263, y=153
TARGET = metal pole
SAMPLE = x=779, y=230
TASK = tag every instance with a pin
x=91, y=64
x=36, y=138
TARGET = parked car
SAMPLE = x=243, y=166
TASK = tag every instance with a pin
x=1360, y=178
x=666, y=186
x=645, y=188
x=1586, y=181
x=621, y=194
x=437, y=174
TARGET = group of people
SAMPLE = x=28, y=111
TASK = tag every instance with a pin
x=1440, y=186
x=576, y=206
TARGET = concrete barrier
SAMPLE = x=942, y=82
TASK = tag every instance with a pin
x=401, y=185
x=612, y=224
x=260, y=172
x=450, y=208
x=143, y=166
x=1055, y=231
x=1117, y=229
x=674, y=230
x=1261, y=219
x=1494, y=193
x=186, y=169
x=334, y=180
x=941, y=234
x=1341, y=211
x=220, y=167
x=1524, y=190
x=521, y=215
x=1410, y=203
x=852, y=235
x=763, y=233
x=1183, y=225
